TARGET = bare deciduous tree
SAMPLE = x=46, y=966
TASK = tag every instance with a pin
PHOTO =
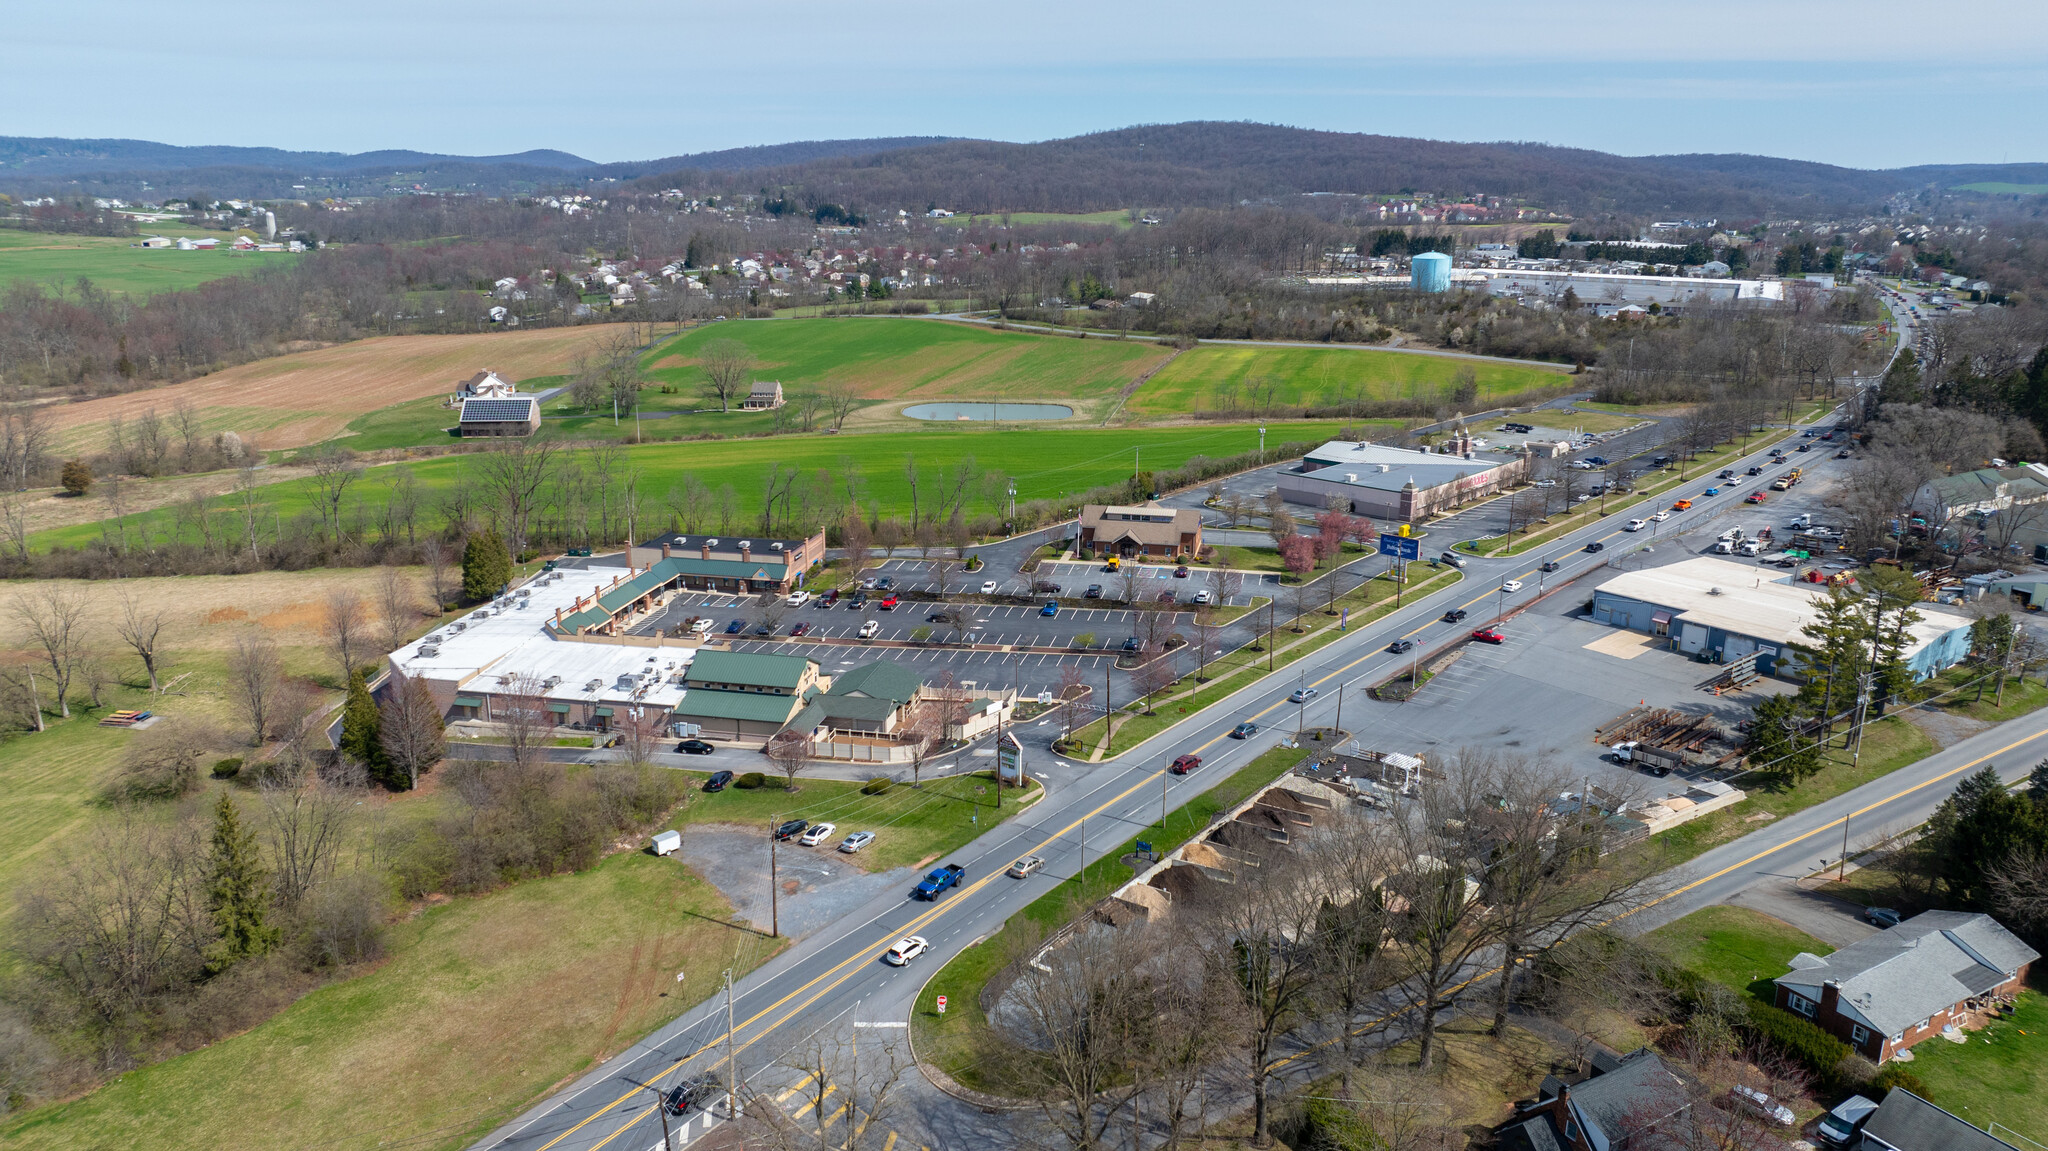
x=412, y=733
x=54, y=616
x=398, y=607
x=790, y=752
x=307, y=822
x=344, y=624
x=1087, y=1020
x=140, y=628
x=255, y=678
x=728, y=371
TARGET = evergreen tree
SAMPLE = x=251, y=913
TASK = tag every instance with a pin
x=1775, y=743
x=486, y=566
x=1978, y=828
x=2037, y=782
x=362, y=727
x=1837, y=656
x=237, y=891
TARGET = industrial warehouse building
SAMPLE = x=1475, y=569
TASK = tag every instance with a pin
x=1606, y=291
x=1730, y=611
x=1400, y=485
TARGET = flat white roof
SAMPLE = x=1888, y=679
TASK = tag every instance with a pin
x=1742, y=599
x=503, y=640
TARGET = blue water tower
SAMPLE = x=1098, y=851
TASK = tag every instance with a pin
x=1430, y=272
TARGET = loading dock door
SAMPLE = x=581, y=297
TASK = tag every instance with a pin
x=1692, y=638
x=1737, y=646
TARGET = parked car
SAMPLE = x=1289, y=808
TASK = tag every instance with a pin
x=1401, y=646
x=856, y=841
x=799, y=629
x=1451, y=558
x=764, y=628
x=1094, y=592
x=1596, y=546
x=885, y=583
x=941, y=878
x=870, y=629
x=1597, y=461
x=695, y=747
x=736, y=627
x=817, y=834
x=1754, y=498
x=1302, y=695
x=1181, y=572
x=718, y=781
x=1166, y=596
x=1882, y=916
x=1244, y=731
x=1025, y=867
x=1185, y=763
x=936, y=617
x=1759, y=1104
x=1045, y=587
x=988, y=587
x=904, y=950
x=1052, y=607
x=798, y=598
x=890, y=603
x=1455, y=615
x=1204, y=596
x=859, y=601
x=1839, y=1126
x=829, y=598
x=1133, y=644
x=1511, y=586
x=1489, y=635
x=791, y=830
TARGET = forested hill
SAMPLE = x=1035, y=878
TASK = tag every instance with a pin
x=1214, y=163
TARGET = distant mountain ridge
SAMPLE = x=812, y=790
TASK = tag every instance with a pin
x=53, y=155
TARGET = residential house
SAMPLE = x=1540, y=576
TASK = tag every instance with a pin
x=2017, y=492
x=1906, y=1122
x=1628, y=1102
x=1885, y=993
x=764, y=395
x=486, y=384
x=500, y=416
x=1142, y=531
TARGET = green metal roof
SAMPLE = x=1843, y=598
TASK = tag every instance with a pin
x=854, y=706
x=699, y=703
x=468, y=701
x=602, y=711
x=562, y=707
x=882, y=679
x=751, y=668
x=610, y=601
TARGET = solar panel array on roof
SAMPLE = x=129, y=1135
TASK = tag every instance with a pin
x=493, y=411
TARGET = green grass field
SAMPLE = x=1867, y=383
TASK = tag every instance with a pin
x=890, y=358
x=909, y=823
x=483, y=1006
x=115, y=265
x=1202, y=379
x=1735, y=947
x=1046, y=464
x=1999, y=1076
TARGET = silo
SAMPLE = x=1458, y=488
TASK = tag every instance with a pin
x=270, y=227
x=1430, y=272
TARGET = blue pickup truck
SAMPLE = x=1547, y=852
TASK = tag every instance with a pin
x=940, y=880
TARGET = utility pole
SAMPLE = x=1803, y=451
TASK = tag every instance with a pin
x=1108, y=724
x=661, y=1108
x=774, y=897
x=732, y=1097
x=1339, y=726
x=1269, y=635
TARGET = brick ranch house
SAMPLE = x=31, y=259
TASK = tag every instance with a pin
x=1883, y=994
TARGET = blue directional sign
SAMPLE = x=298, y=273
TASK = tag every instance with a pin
x=1400, y=547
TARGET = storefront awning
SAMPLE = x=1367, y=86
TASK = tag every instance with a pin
x=602, y=712
x=468, y=701
x=562, y=708
x=1663, y=617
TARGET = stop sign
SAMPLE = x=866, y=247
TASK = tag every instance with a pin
x=942, y=1005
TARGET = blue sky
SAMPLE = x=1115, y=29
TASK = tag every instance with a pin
x=1867, y=83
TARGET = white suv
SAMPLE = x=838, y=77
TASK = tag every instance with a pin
x=870, y=629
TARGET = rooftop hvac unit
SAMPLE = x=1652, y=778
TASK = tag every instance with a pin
x=458, y=627
x=482, y=613
x=429, y=651
x=748, y=544
x=712, y=542
x=525, y=592
x=593, y=685
x=551, y=681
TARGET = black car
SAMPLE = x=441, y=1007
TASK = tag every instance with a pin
x=884, y=584
x=718, y=781
x=1454, y=615
x=1754, y=471
x=1401, y=645
x=1133, y=644
x=1094, y=592
x=1244, y=731
x=792, y=829
x=691, y=1094
x=935, y=617
x=1597, y=461
x=1596, y=546
x=764, y=628
x=696, y=747
x=1549, y=566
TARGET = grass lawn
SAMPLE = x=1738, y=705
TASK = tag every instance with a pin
x=113, y=264
x=910, y=824
x=1203, y=378
x=1999, y=1076
x=1888, y=745
x=1045, y=464
x=1266, y=559
x=891, y=358
x=484, y=1005
x=1735, y=946
x=2002, y=188
x=952, y=1041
